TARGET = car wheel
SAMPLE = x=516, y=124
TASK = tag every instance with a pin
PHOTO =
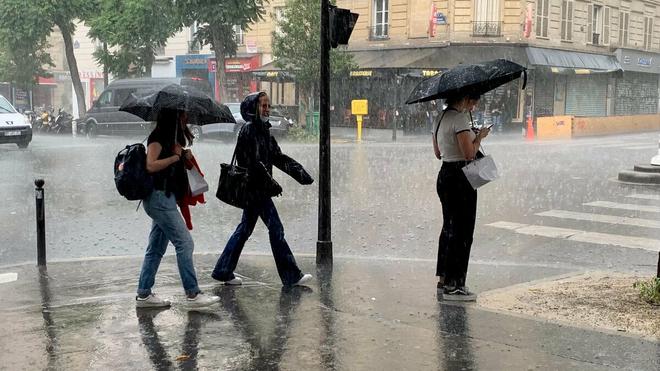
x=92, y=130
x=197, y=133
x=23, y=144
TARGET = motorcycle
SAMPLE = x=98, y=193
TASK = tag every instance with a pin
x=63, y=122
x=44, y=121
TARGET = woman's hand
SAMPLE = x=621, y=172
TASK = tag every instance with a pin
x=483, y=133
x=178, y=150
x=187, y=154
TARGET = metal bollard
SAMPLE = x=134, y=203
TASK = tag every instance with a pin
x=41, y=222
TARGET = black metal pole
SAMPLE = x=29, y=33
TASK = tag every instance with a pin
x=41, y=222
x=324, y=243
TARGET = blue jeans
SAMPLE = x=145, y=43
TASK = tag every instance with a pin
x=284, y=260
x=168, y=226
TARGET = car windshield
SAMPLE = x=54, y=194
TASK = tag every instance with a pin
x=5, y=106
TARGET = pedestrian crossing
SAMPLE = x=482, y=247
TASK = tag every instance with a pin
x=598, y=216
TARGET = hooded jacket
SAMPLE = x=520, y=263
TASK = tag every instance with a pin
x=258, y=151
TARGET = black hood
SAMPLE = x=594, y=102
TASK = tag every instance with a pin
x=249, y=106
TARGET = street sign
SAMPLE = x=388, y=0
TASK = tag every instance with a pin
x=360, y=107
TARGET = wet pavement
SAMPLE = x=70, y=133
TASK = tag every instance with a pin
x=363, y=314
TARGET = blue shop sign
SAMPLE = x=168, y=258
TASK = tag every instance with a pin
x=440, y=18
x=647, y=62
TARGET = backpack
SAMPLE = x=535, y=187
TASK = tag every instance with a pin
x=131, y=177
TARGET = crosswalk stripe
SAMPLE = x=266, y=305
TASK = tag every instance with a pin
x=602, y=218
x=619, y=144
x=581, y=236
x=615, y=205
x=644, y=196
x=8, y=277
x=640, y=147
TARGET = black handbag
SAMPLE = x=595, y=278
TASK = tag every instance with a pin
x=233, y=187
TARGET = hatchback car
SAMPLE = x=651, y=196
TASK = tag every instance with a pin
x=14, y=127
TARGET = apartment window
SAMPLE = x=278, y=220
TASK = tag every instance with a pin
x=624, y=20
x=239, y=36
x=598, y=25
x=381, y=19
x=648, y=32
x=486, y=18
x=567, y=20
x=278, y=16
x=542, y=12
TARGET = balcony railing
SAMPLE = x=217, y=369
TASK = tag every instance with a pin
x=379, y=32
x=595, y=39
x=193, y=47
x=487, y=29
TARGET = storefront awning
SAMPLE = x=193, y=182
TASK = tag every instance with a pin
x=563, y=61
x=392, y=58
x=638, y=61
x=270, y=72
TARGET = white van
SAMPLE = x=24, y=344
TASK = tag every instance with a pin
x=14, y=127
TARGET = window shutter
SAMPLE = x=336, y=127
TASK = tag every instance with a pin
x=546, y=16
x=569, y=22
x=564, y=5
x=650, y=32
x=539, y=19
x=606, y=25
x=625, y=29
x=590, y=18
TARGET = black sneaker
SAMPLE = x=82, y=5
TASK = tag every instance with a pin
x=458, y=294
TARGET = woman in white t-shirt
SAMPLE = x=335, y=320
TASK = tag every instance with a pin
x=460, y=142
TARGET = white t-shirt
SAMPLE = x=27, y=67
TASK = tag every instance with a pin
x=452, y=123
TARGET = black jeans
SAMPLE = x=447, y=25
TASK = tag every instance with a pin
x=284, y=260
x=459, y=210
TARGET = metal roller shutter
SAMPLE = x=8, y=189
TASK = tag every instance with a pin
x=636, y=93
x=586, y=95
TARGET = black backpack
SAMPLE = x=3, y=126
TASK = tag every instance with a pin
x=131, y=177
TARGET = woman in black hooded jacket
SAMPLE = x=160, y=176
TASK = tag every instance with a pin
x=257, y=150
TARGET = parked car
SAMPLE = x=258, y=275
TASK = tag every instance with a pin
x=104, y=116
x=14, y=126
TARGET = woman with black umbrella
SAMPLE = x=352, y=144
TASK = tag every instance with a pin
x=165, y=156
x=460, y=144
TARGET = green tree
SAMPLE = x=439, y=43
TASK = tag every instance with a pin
x=216, y=21
x=297, y=47
x=23, y=44
x=132, y=30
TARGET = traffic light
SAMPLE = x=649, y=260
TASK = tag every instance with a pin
x=342, y=22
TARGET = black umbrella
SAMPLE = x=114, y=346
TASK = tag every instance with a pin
x=465, y=79
x=201, y=108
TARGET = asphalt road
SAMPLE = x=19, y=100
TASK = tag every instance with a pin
x=557, y=204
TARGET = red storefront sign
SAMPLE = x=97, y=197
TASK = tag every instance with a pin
x=237, y=64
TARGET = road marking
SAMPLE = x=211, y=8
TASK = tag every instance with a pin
x=615, y=205
x=640, y=147
x=619, y=144
x=583, y=236
x=8, y=277
x=602, y=218
x=644, y=196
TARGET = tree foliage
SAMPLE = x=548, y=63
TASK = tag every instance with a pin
x=133, y=31
x=297, y=44
x=23, y=43
x=216, y=21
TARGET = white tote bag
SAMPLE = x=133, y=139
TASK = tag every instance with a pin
x=196, y=181
x=481, y=171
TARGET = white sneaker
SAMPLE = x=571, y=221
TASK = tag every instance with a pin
x=236, y=281
x=303, y=280
x=202, y=300
x=151, y=301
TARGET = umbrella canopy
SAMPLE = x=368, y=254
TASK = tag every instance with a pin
x=201, y=108
x=465, y=79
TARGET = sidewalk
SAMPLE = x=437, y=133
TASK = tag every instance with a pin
x=363, y=315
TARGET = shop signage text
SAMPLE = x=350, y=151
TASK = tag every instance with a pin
x=429, y=73
x=361, y=73
x=646, y=62
x=195, y=61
